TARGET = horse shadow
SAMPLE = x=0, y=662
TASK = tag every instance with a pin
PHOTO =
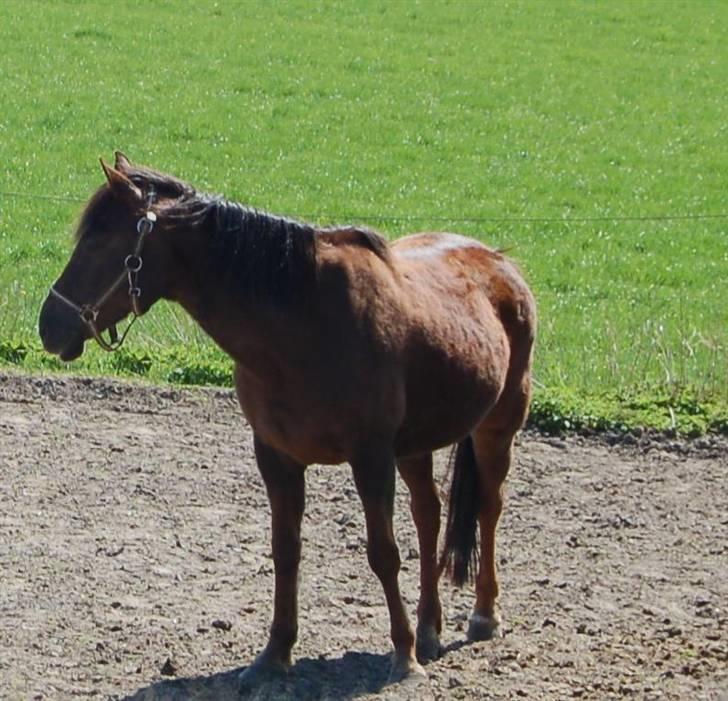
x=347, y=677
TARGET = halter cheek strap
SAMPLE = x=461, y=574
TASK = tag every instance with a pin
x=88, y=313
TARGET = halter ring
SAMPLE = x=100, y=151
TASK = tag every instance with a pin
x=133, y=263
x=88, y=314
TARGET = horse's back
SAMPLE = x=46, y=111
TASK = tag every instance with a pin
x=465, y=274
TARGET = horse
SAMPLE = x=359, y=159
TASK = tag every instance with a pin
x=346, y=348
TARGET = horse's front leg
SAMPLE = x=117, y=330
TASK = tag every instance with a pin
x=284, y=482
x=374, y=474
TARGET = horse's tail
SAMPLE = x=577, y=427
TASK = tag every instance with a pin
x=459, y=556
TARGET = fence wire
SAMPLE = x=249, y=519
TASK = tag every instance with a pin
x=434, y=218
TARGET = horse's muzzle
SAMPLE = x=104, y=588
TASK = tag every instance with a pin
x=61, y=331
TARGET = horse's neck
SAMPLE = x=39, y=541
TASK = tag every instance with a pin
x=237, y=325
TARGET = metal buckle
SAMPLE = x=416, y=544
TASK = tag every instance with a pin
x=146, y=223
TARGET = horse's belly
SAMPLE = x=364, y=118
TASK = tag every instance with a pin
x=299, y=419
x=301, y=435
x=451, y=388
x=434, y=425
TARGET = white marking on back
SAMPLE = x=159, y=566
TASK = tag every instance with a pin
x=438, y=247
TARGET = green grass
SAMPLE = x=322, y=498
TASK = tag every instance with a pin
x=442, y=112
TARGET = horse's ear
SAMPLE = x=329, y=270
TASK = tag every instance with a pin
x=122, y=162
x=121, y=186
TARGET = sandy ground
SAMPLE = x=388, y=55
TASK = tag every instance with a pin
x=135, y=562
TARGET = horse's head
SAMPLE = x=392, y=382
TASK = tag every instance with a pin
x=118, y=264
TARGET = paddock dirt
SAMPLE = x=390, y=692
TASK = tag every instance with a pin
x=135, y=562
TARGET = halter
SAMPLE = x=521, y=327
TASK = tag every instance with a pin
x=88, y=313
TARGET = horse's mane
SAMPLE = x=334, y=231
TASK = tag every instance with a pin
x=259, y=255
x=262, y=256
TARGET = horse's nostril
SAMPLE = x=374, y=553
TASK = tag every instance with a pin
x=48, y=333
x=56, y=328
x=44, y=325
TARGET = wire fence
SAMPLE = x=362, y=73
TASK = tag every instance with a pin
x=436, y=218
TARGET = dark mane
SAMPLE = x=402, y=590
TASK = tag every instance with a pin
x=256, y=254
x=103, y=208
x=261, y=255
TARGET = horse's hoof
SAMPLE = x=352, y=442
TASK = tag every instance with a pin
x=261, y=673
x=483, y=627
x=428, y=644
x=406, y=670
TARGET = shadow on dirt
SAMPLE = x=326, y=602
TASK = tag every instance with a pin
x=348, y=677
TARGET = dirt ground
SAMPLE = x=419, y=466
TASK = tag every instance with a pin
x=135, y=562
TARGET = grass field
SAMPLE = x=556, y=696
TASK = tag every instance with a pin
x=590, y=138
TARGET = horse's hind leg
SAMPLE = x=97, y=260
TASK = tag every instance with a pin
x=492, y=445
x=425, y=507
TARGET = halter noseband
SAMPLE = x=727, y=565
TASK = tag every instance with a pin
x=88, y=313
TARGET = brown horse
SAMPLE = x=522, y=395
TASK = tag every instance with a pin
x=346, y=349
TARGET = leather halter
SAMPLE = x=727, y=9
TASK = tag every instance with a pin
x=88, y=313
